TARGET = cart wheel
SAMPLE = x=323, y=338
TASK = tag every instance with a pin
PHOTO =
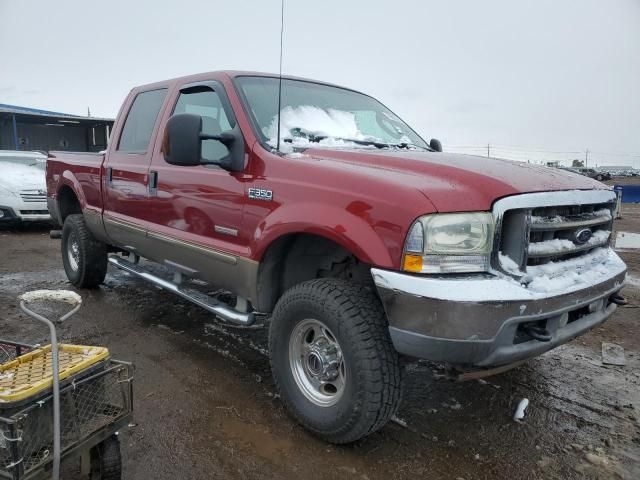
x=106, y=463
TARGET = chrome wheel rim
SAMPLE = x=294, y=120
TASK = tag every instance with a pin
x=73, y=251
x=317, y=363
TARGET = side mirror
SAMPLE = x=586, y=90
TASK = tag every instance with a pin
x=435, y=145
x=184, y=143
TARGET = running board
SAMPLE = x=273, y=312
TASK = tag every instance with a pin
x=205, y=301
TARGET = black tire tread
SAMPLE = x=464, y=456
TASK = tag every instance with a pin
x=365, y=325
x=92, y=267
x=110, y=459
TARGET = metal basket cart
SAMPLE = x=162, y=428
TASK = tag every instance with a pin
x=61, y=403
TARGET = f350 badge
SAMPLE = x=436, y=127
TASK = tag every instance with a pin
x=261, y=194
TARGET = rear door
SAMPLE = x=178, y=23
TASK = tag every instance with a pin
x=126, y=176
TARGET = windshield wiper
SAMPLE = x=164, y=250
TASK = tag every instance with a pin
x=412, y=145
x=318, y=137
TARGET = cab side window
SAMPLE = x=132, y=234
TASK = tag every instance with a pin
x=206, y=103
x=138, y=127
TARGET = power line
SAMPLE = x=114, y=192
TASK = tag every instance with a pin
x=499, y=147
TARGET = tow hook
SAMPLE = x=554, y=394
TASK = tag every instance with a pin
x=536, y=332
x=618, y=299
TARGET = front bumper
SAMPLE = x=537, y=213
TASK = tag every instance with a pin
x=26, y=213
x=478, y=320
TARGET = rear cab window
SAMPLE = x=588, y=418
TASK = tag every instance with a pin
x=141, y=119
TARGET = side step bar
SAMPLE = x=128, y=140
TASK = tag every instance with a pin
x=205, y=301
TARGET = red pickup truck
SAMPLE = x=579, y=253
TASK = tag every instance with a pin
x=332, y=218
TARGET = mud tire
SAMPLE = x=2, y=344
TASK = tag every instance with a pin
x=92, y=254
x=372, y=388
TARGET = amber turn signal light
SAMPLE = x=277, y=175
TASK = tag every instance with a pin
x=412, y=263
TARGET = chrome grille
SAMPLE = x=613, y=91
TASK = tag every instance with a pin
x=538, y=228
x=557, y=233
x=33, y=196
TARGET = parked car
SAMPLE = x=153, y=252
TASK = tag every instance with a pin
x=23, y=189
x=359, y=241
x=592, y=173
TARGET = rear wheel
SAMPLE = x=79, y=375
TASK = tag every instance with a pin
x=333, y=361
x=83, y=256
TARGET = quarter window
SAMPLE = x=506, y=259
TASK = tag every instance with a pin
x=140, y=121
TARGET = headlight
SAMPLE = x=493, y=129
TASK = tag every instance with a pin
x=449, y=243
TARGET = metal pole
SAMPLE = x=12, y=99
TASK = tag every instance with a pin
x=55, y=474
x=55, y=368
x=15, y=132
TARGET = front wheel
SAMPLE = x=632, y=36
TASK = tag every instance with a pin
x=83, y=256
x=333, y=361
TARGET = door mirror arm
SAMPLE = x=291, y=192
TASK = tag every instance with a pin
x=225, y=137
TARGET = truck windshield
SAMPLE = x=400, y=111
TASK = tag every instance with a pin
x=317, y=113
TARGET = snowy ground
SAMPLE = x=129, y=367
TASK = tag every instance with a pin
x=206, y=407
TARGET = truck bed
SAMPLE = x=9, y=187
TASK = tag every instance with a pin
x=80, y=173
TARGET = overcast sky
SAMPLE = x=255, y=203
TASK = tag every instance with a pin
x=531, y=78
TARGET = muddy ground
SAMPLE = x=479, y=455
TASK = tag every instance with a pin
x=206, y=406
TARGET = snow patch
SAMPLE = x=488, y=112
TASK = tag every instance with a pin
x=508, y=264
x=520, y=410
x=573, y=274
x=330, y=123
x=555, y=219
x=627, y=240
x=55, y=295
x=558, y=245
x=603, y=212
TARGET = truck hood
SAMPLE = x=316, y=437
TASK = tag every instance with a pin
x=15, y=177
x=456, y=182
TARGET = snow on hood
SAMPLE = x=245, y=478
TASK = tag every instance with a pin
x=475, y=181
x=16, y=177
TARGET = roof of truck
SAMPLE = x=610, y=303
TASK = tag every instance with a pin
x=198, y=77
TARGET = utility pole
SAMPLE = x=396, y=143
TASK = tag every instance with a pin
x=586, y=158
x=488, y=149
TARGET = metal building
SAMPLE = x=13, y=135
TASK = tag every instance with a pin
x=23, y=128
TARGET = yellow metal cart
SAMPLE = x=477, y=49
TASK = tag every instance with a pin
x=61, y=403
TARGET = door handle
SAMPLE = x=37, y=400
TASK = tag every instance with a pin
x=153, y=182
x=109, y=176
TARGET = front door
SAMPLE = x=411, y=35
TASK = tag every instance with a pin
x=198, y=209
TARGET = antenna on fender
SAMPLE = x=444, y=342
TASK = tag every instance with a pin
x=280, y=72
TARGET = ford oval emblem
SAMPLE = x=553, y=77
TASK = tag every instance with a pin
x=583, y=236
